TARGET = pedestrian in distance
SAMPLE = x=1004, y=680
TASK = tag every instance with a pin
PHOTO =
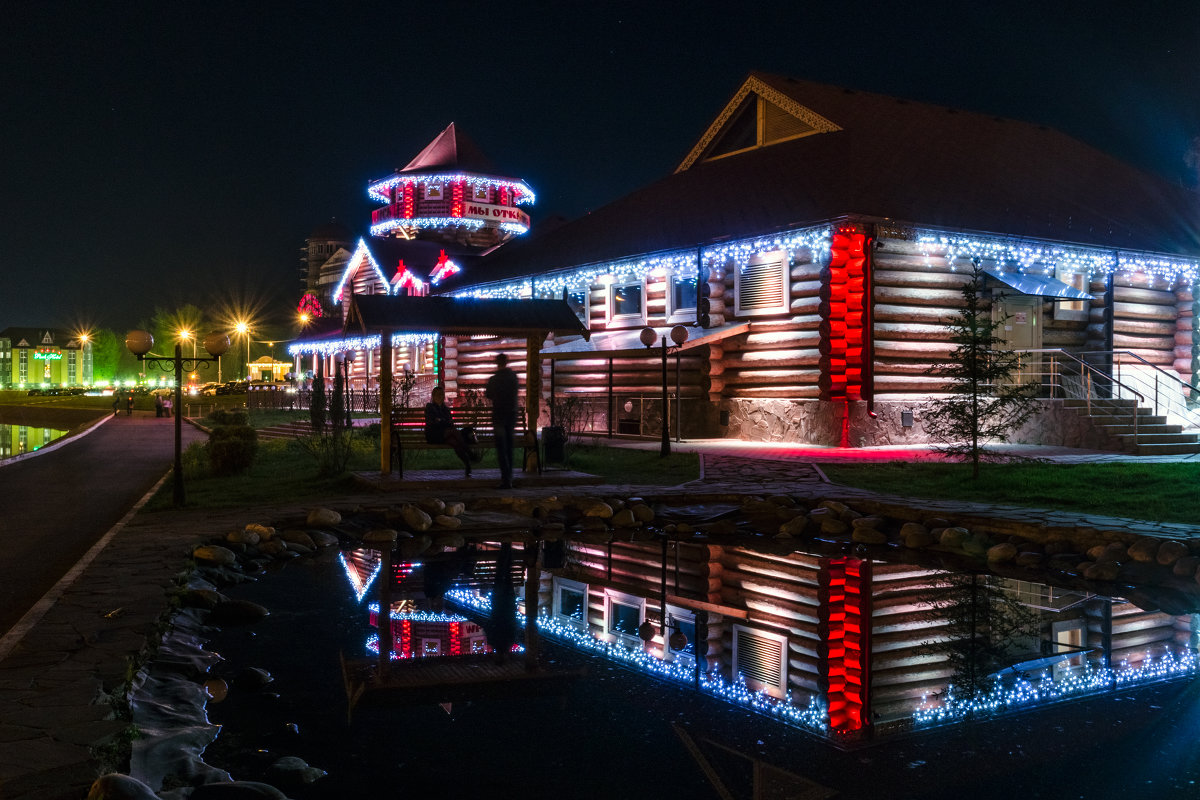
x=129, y=405
x=168, y=405
x=158, y=405
x=440, y=427
x=116, y=404
x=502, y=389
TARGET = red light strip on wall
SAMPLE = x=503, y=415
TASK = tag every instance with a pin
x=455, y=641
x=408, y=200
x=456, y=203
x=848, y=640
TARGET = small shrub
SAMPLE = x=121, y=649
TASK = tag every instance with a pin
x=229, y=416
x=231, y=449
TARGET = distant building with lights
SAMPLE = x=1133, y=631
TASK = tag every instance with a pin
x=43, y=357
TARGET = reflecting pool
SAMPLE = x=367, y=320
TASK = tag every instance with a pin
x=17, y=440
x=717, y=665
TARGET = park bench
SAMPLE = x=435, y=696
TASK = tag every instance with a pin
x=408, y=431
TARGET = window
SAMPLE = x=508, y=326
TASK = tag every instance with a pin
x=1071, y=309
x=579, y=301
x=623, y=615
x=625, y=303
x=681, y=631
x=23, y=366
x=681, y=298
x=759, y=657
x=570, y=602
x=761, y=286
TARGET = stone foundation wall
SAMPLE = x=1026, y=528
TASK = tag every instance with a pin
x=819, y=422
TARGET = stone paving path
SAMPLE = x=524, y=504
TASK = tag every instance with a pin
x=55, y=721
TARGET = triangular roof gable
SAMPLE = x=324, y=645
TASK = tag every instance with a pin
x=362, y=256
x=776, y=118
x=450, y=150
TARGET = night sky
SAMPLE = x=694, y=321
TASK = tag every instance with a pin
x=162, y=153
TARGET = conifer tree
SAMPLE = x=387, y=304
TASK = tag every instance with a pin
x=985, y=403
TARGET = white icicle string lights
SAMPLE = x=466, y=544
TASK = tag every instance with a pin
x=370, y=343
x=381, y=190
x=676, y=262
x=1048, y=259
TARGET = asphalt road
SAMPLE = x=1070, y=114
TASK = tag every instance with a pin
x=56, y=505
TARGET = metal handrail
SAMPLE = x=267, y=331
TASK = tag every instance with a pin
x=1090, y=372
x=1157, y=371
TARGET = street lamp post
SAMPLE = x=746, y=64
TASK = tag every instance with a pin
x=139, y=343
x=679, y=335
x=243, y=329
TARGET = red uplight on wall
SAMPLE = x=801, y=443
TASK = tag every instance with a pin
x=848, y=642
x=408, y=200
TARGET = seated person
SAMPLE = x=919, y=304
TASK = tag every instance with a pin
x=440, y=429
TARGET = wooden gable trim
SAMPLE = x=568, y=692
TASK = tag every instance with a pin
x=757, y=87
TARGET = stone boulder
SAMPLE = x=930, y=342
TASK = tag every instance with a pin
x=243, y=537
x=294, y=771
x=416, y=519
x=591, y=507
x=323, y=538
x=380, y=536
x=1171, y=551
x=215, y=554
x=865, y=535
x=1107, y=571
x=454, y=509
x=323, y=518
x=624, y=519
x=296, y=536
x=1002, y=553
x=1144, y=550
x=796, y=526
x=115, y=786
x=444, y=521
x=264, y=531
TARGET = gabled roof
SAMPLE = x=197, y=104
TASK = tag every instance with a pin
x=881, y=158
x=40, y=337
x=457, y=316
x=450, y=150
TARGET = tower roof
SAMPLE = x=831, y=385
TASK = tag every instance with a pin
x=451, y=150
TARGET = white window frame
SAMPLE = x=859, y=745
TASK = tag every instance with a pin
x=1071, y=309
x=613, y=597
x=778, y=690
x=612, y=316
x=683, y=615
x=679, y=314
x=764, y=263
x=587, y=303
x=556, y=602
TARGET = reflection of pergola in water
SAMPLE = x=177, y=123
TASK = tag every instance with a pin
x=460, y=674
x=531, y=320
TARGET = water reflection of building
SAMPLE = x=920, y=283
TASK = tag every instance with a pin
x=848, y=633
x=18, y=439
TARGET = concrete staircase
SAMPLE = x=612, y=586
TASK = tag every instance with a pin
x=1153, y=435
x=291, y=430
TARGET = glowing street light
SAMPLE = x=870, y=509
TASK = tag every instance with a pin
x=243, y=329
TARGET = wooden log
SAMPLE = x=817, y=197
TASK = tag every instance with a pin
x=806, y=289
x=772, y=358
x=924, y=296
x=910, y=331
x=770, y=377
x=806, y=271
x=919, y=349
x=782, y=339
x=1184, y=337
x=797, y=392
x=1125, y=341
x=1142, y=281
x=805, y=305
x=1064, y=338
x=1145, y=327
x=893, y=367
x=1129, y=294
x=1143, y=311
x=885, y=312
x=920, y=279
x=909, y=383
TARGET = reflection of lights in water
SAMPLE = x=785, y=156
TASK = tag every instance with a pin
x=357, y=582
x=1025, y=692
x=949, y=708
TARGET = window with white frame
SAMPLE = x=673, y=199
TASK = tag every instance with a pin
x=760, y=658
x=681, y=635
x=762, y=285
x=681, y=297
x=570, y=602
x=627, y=302
x=579, y=299
x=623, y=615
x=1071, y=309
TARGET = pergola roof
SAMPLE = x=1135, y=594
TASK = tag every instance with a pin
x=462, y=316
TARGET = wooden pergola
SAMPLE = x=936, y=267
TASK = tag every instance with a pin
x=531, y=320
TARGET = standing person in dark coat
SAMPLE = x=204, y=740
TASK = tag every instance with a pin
x=502, y=391
x=440, y=428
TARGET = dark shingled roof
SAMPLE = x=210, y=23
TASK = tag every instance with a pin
x=450, y=150
x=892, y=159
x=459, y=316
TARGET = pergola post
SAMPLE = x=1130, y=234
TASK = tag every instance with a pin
x=533, y=393
x=385, y=402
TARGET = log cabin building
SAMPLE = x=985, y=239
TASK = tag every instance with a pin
x=814, y=242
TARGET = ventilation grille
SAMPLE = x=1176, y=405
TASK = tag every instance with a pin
x=761, y=287
x=779, y=124
x=759, y=658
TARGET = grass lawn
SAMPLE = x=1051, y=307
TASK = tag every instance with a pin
x=283, y=470
x=1162, y=492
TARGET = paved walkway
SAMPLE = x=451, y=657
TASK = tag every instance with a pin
x=54, y=721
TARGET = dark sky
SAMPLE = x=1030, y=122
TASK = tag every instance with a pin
x=161, y=153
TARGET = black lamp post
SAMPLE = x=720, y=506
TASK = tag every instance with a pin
x=679, y=335
x=139, y=343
